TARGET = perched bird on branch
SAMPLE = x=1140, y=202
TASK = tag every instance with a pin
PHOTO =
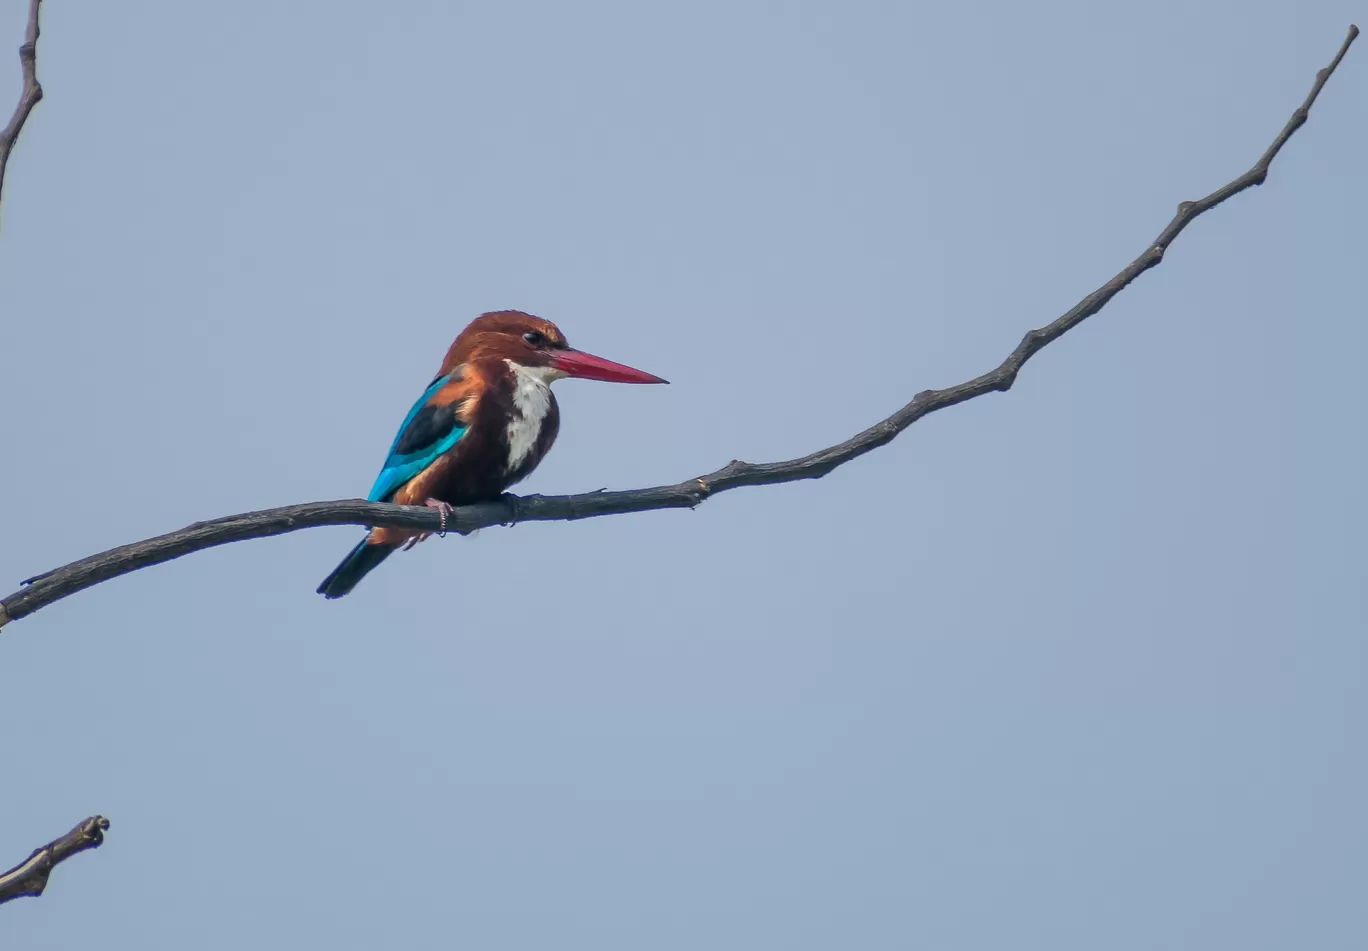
x=482, y=425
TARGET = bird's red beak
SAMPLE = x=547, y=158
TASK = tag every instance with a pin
x=589, y=367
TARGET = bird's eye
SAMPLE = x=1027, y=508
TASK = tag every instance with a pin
x=534, y=338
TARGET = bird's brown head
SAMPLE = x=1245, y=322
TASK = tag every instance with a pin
x=529, y=341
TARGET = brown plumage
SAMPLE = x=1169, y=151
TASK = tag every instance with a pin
x=485, y=422
x=468, y=472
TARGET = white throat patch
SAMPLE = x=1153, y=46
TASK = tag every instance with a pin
x=531, y=402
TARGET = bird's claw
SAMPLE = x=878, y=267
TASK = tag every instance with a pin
x=511, y=500
x=443, y=510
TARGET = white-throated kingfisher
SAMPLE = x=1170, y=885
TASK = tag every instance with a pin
x=482, y=425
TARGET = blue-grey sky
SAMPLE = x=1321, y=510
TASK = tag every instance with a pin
x=1082, y=666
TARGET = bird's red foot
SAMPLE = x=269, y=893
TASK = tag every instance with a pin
x=443, y=511
x=415, y=539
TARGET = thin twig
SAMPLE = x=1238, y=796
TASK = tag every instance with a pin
x=30, y=877
x=55, y=585
x=31, y=94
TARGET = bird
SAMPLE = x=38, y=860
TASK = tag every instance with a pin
x=486, y=420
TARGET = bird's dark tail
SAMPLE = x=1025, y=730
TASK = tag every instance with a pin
x=358, y=563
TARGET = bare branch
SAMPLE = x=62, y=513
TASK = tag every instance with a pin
x=31, y=94
x=55, y=585
x=30, y=877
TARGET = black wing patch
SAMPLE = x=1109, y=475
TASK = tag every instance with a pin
x=427, y=427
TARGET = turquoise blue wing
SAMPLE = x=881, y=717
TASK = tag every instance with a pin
x=426, y=433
